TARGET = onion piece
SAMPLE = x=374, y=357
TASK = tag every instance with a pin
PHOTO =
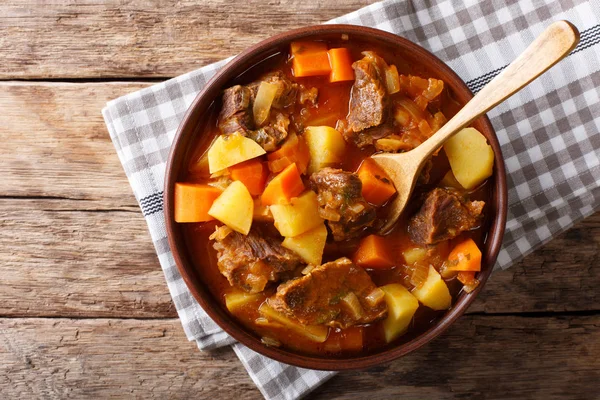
x=220, y=233
x=392, y=80
x=269, y=341
x=329, y=215
x=263, y=101
x=418, y=274
x=415, y=112
x=353, y=305
x=375, y=297
x=356, y=208
x=307, y=270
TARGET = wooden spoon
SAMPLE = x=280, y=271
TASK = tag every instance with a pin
x=551, y=46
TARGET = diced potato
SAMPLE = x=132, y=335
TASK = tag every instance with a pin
x=316, y=333
x=326, y=147
x=230, y=150
x=471, y=157
x=234, y=207
x=434, y=293
x=309, y=245
x=236, y=300
x=450, y=181
x=300, y=216
x=414, y=255
x=402, y=305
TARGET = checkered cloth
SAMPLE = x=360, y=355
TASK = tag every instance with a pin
x=548, y=133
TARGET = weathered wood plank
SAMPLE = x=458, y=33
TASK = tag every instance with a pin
x=481, y=356
x=62, y=358
x=58, y=260
x=61, y=259
x=55, y=142
x=563, y=275
x=161, y=39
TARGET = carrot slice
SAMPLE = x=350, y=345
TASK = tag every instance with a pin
x=340, y=61
x=293, y=150
x=311, y=64
x=372, y=253
x=193, y=200
x=252, y=173
x=283, y=187
x=466, y=256
x=377, y=187
x=307, y=47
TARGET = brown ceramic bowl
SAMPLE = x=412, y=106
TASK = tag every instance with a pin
x=193, y=118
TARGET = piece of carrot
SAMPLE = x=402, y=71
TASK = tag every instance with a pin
x=293, y=150
x=377, y=187
x=467, y=278
x=252, y=173
x=307, y=47
x=340, y=61
x=311, y=64
x=193, y=200
x=286, y=185
x=372, y=253
x=465, y=256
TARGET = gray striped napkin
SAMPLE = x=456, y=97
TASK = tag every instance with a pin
x=549, y=135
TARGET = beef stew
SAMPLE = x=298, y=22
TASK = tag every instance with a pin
x=289, y=242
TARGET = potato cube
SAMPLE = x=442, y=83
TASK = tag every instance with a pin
x=235, y=301
x=230, y=150
x=316, y=333
x=414, y=255
x=402, y=305
x=434, y=293
x=234, y=207
x=325, y=145
x=308, y=245
x=471, y=157
x=300, y=216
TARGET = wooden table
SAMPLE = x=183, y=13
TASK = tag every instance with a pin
x=84, y=308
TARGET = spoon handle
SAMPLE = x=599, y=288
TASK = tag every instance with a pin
x=551, y=46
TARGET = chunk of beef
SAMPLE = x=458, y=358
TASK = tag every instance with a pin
x=337, y=294
x=236, y=114
x=271, y=135
x=444, y=215
x=250, y=262
x=341, y=202
x=368, y=96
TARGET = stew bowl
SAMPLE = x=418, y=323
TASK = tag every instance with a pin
x=194, y=118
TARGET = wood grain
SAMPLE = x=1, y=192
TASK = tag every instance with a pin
x=554, y=358
x=55, y=143
x=41, y=40
x=61, y=260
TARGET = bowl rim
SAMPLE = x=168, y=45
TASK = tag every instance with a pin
x=225, y=321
